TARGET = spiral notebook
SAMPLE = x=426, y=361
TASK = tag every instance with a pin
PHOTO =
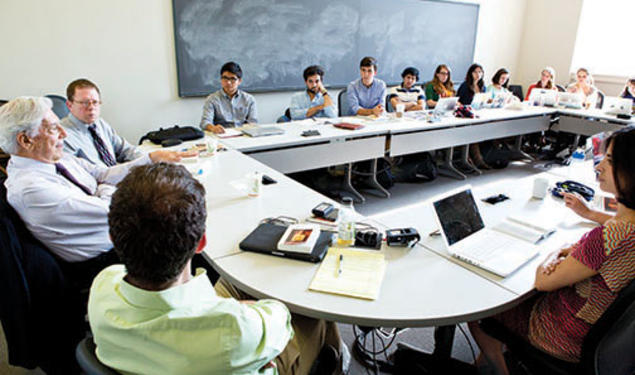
x=467, y=238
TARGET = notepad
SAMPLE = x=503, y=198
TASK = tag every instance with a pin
x=361, y=276
x=230, y=133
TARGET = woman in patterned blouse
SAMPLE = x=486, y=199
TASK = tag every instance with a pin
x=582, y=280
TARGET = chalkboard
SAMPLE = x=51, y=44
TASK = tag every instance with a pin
x=274, y=40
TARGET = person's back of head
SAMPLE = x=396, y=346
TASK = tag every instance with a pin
x=157, y=220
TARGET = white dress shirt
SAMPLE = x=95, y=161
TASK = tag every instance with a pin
x=71, y=223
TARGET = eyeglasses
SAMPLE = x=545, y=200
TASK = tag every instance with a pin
x=88, y=103
x=443, y=73
x=229, y=79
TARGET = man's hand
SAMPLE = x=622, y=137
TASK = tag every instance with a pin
x=216, y=129
x=378, y=110
x=170, y=156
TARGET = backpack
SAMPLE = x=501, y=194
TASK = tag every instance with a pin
x=185, y=133
x=415, y=168
x=496, y=154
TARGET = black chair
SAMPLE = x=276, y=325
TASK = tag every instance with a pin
x=41, y=313
x=560, y=88
x=88, y=361
x=600, y=102
x=607, y=349
x=517, y=90
x=342, y=104
x=3, y=102
x=389, y=107
x=59, y=105
x=286, y=117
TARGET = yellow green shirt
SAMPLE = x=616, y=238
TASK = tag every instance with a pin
x=186, y=329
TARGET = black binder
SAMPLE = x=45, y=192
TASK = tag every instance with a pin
x=264, y=239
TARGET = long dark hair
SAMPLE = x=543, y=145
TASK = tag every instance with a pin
x=631, y=81
x=469, y=80
x=440, y=86
x=623, y=164
x=498, y=75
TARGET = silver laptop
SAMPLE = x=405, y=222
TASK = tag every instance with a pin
x=543, y=97
x=261, y=131
x=446, y=105
x=570, y=100
x=480, y=100
x=614, y=105
x=467, y=238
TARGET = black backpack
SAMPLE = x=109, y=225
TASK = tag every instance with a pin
x=415, y=168
x=496, y=154
x=185, y=133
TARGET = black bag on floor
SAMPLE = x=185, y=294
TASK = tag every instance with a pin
x=496, y=154
x=362, y=170
x=415, y=168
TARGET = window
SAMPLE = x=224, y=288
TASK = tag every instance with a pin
x=604, y=42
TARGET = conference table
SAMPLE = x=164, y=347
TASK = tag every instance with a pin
x=424, y=285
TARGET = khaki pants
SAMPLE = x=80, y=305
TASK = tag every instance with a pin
x=309, y=338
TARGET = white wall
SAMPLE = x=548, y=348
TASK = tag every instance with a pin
x=127, y=48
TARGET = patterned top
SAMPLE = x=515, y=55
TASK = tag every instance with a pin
x=560, y=321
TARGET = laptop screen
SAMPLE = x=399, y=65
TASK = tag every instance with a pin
x=459, y=216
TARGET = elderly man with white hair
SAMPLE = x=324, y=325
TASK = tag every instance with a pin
x=63, y=200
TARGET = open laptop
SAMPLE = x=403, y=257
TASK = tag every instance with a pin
x=446, y=105
x=570, y=100
x=614, y=105
x=467, y=238
x=480, y=100
x=543, y=97
x=261, y=131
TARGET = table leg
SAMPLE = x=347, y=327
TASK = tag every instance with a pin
x=465, y=159
x=373, y=179
x=447, y=168
x=348, y=184
x=518, y=151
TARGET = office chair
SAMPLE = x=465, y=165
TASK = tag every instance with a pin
x=3, y=102
x=607, y=349
x=88, y=361
x=59, y=105
x=388, y=106
x=342, y=104
x=40, y=312
x=517, y=90
x=560, y=88
x=286, y=117
x=600, y=102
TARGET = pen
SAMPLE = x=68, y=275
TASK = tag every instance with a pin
x=339, y=265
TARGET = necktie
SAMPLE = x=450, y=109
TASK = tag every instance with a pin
x=61, y=169
x=103, y=152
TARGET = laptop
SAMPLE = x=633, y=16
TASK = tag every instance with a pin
x=570, y=100
x=261, y=131
x=480, y=100
x=467, y=238
x=614, y=105
x=446, y=105
x=543, y=97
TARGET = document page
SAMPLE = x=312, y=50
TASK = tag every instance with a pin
x=350, y=272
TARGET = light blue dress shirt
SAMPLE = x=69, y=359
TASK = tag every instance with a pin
x=220, y=109
x=79, y=141
x=185, y=329
x=360, y=96
x=69, y=222
x=301, y=102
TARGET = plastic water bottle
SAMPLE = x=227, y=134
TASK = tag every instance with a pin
x=577, y=159
x=346, y=224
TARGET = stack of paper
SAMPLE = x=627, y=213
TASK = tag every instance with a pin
x=362, y=272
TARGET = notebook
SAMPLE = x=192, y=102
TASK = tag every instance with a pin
x=362, y=272
x=265, y=238
x=467, y=238
x=261, y=131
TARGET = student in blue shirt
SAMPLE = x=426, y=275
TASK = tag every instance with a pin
x=315, y=101
x=366, y=95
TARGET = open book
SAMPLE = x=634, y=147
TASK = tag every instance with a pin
x=524, y=229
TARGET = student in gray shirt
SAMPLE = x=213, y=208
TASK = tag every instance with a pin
x=229, y=106
x=88, y=135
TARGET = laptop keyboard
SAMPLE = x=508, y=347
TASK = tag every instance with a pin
x=490, y=245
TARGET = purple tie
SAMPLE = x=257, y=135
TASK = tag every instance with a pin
x=61, y=169
x=103, y=152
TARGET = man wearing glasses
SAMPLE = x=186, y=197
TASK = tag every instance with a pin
x=228, y=107
x=88, y=135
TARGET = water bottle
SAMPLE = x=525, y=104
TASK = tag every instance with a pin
x=346, y=224
x=577, y=159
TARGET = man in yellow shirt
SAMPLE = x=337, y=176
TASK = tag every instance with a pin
x=152, y=316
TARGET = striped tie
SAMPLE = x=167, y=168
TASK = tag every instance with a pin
x=61, y=169
x=103, y=152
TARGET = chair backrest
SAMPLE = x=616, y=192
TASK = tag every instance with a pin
x=609, y=344
x=600, y=102
x=3, y=102
x=342, y=104
x=88, y=361
x=389, y=107
x=286, y=117
x=517, y=90
x=561, y=88
x=59, y=105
